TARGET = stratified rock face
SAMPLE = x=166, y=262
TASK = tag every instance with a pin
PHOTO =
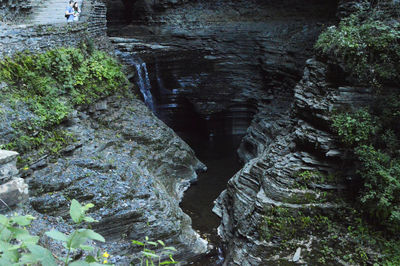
x=131, y=166
x=266, y=203
x=229, y=54
x=278, y=149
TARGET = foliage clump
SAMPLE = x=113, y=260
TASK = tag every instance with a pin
x=51, y=84
x=367, y=44
x=355, y=128
x=19, y=247
x=373, y=136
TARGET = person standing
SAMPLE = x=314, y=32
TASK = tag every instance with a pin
x=69, y=12
x=77, y=11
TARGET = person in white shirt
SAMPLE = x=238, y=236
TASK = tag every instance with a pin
x=77, y=11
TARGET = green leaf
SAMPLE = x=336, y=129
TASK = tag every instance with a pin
x=14, y=247
x=170, y=248
x=5, y=234
x=3, y=220
x=42, y=254
x=90, y=259
x=149, y=254
x=87, y=206
x=93, y=235
x=57, y=235
x=161, y=242
x=89, y=219
x=135, y=242
x=87, y=248
x=20, y=234
x=152, y=243
x=23, y=220
x=28, y=258
x=168, y=262
x=76, y=211
x=4, y=261
x=11, y=255
x=31, y=239
x=76, y=239
x=79, y=263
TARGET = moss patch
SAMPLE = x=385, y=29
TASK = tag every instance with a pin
x=51, y=85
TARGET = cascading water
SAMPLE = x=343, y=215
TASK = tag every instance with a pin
x=144, y=83
x=142, y=78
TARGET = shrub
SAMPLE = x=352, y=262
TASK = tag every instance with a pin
x=374, y=136
x=355, y=128
x=369, y=47
x=380, y=195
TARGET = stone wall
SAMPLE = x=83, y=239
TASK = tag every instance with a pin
x=16, y=38
x=12, y=9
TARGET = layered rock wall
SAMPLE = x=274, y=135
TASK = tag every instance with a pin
x=285, y=148
x=237, y=55
x=292, y=159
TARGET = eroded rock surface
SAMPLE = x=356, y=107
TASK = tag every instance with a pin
x=278, y=151
x=131, y=166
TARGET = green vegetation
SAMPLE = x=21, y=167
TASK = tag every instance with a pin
x=149, y=255
x=356, y=128
x=341, y=234
x=368, y=43
x=51, y=84
x=18, y=247
x=283, y=224
x=374, y=138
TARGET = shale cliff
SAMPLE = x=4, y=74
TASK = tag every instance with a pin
x=247, y=54
x=291, y=202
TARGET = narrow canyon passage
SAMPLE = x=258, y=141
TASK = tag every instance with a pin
x=214, y=138
x=207, y=72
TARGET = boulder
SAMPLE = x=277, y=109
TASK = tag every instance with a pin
x=12, y=193
x=8, y=169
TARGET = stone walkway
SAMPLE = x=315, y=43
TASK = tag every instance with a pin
x=50, y=12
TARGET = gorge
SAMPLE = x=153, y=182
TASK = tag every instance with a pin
x=229, y=155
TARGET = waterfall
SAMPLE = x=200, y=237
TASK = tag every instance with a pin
x=144, y=84
x=142, y=78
